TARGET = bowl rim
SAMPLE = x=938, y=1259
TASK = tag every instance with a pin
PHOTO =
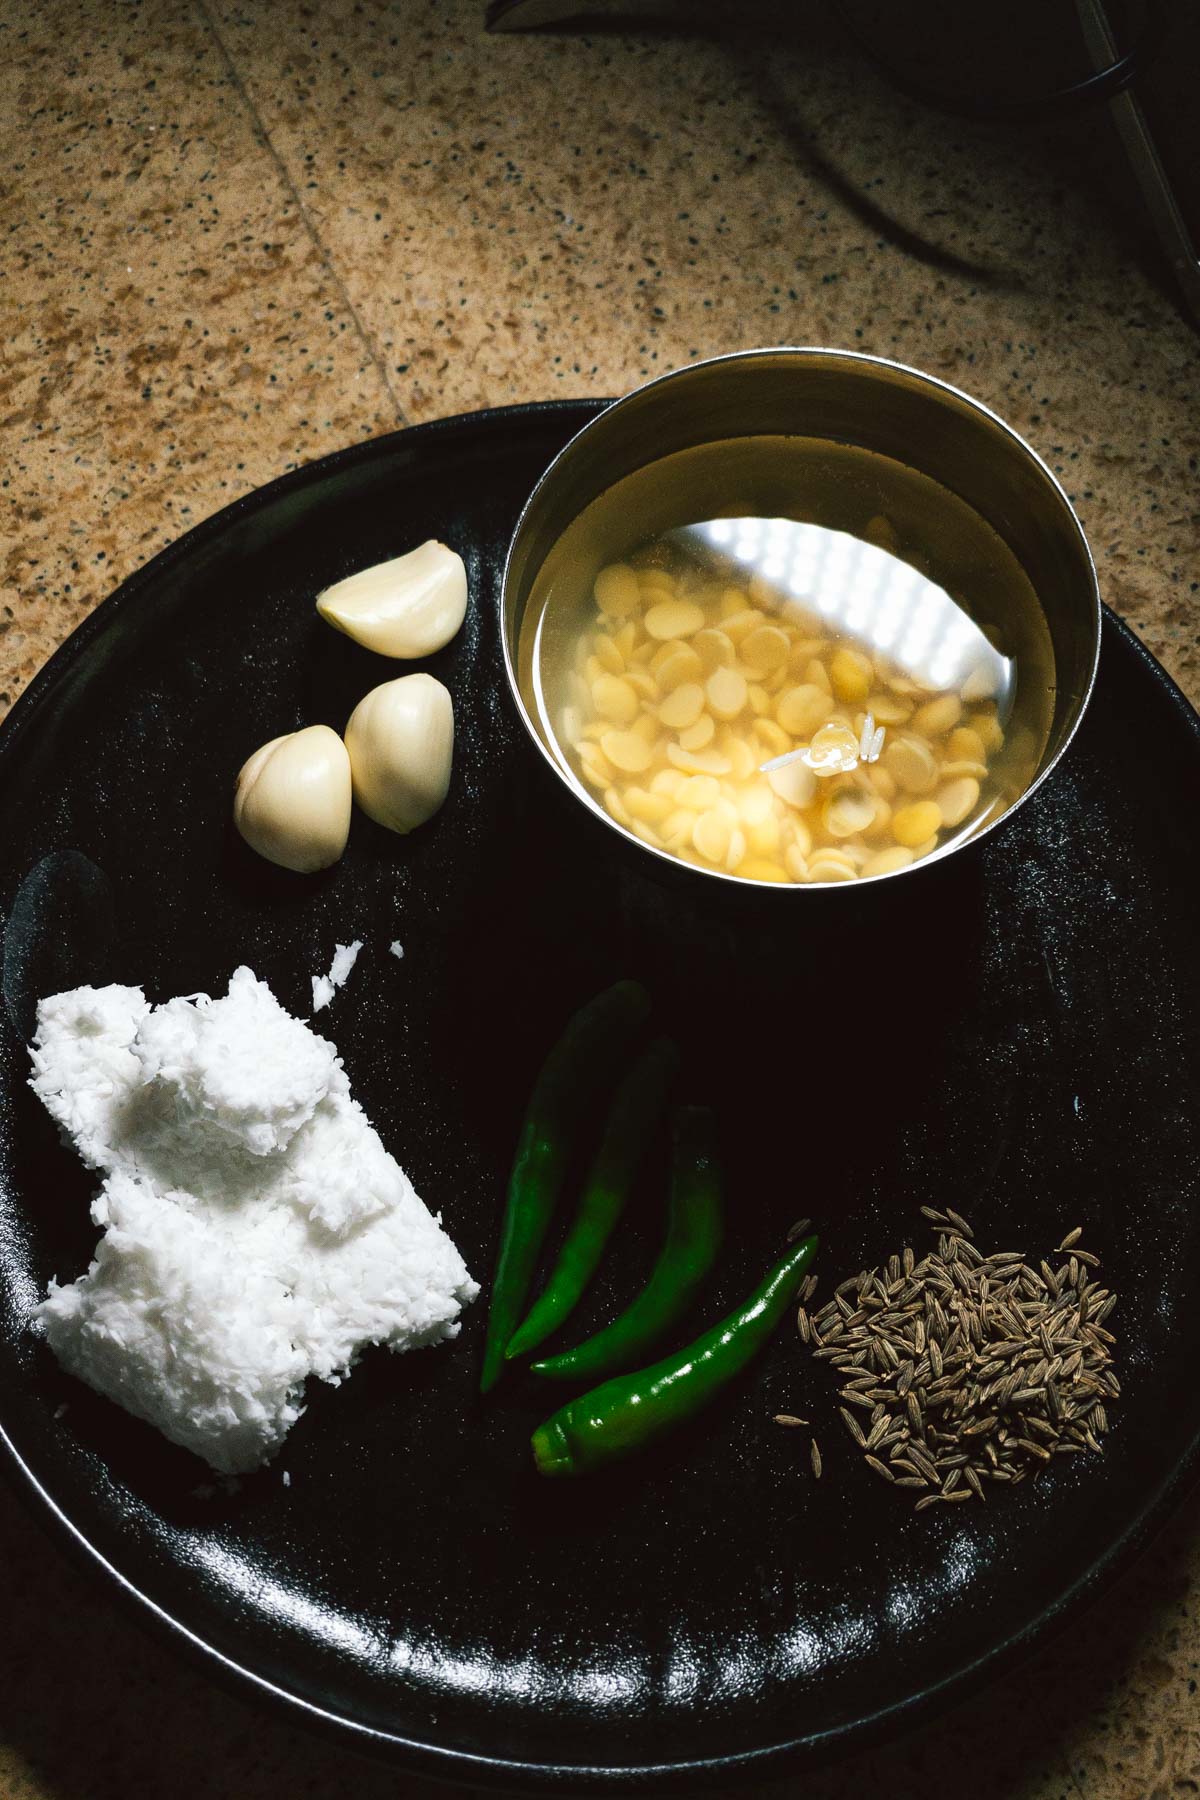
x=733, y=883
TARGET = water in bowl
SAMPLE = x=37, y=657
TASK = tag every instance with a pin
x=789, y=660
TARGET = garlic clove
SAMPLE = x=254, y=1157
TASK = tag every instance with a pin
x=410, y=606
x=400, y=738
x=292, y=802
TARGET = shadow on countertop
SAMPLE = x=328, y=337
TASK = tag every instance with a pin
x=968, y=94
x=93, y=1708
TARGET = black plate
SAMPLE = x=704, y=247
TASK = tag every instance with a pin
x=1013, y=1034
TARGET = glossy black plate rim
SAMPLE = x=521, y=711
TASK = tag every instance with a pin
x=446, y=1763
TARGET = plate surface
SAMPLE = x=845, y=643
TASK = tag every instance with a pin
x=1013, y=1034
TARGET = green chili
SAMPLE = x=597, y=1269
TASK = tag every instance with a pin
x=635, y=1112
x=694, y=1231
x=631, y=1411
x=582, y=1060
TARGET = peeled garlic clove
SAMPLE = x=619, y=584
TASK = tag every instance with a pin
x=292, y=802
x=410, y=606
x=400, y=738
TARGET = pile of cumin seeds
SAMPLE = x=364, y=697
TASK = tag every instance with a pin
x=964, y=1369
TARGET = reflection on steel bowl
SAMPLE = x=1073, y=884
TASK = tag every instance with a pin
x=800, y=618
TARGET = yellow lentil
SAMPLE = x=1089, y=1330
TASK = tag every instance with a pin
x=710, y=835
x=682, y=707
x=886, y=862
x=771, y=738
x=763, y=839
x=607, y=653
x=850, y=673
x=765, y=649
x=759, y=869
x=742, y=759
x=828, y=865
x=938, y=716
x=614, y=699
x=911, y=825
x=674, y=619
x=726, y=693
x=801, y=710
x=679, y=665
x=958, y=799
x=696, y=736
x=739, y=625
x=617, y=591
x=597, y=770
x=614, y=805
x=642, y=682
x=698, y=762
x=987, y=728
x=795, y=784
x=911, y=764
x=698, y=793
x=714, y=649
x=626, y=750
x=849, y=811
x=965, y=745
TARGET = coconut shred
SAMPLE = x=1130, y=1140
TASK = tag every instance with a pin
x=255, y=1230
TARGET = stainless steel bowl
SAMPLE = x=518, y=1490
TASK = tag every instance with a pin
x=866, y=401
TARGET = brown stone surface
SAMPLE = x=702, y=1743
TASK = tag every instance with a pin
x=234, y=237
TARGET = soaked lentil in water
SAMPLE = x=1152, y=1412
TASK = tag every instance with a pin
x=828, y=680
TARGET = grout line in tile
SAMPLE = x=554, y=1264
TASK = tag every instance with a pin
x=1070, y=1768
x=266, y=140
x=1068, y=1764
x=1063, y=1754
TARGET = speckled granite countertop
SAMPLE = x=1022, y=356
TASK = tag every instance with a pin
x=234, y=237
